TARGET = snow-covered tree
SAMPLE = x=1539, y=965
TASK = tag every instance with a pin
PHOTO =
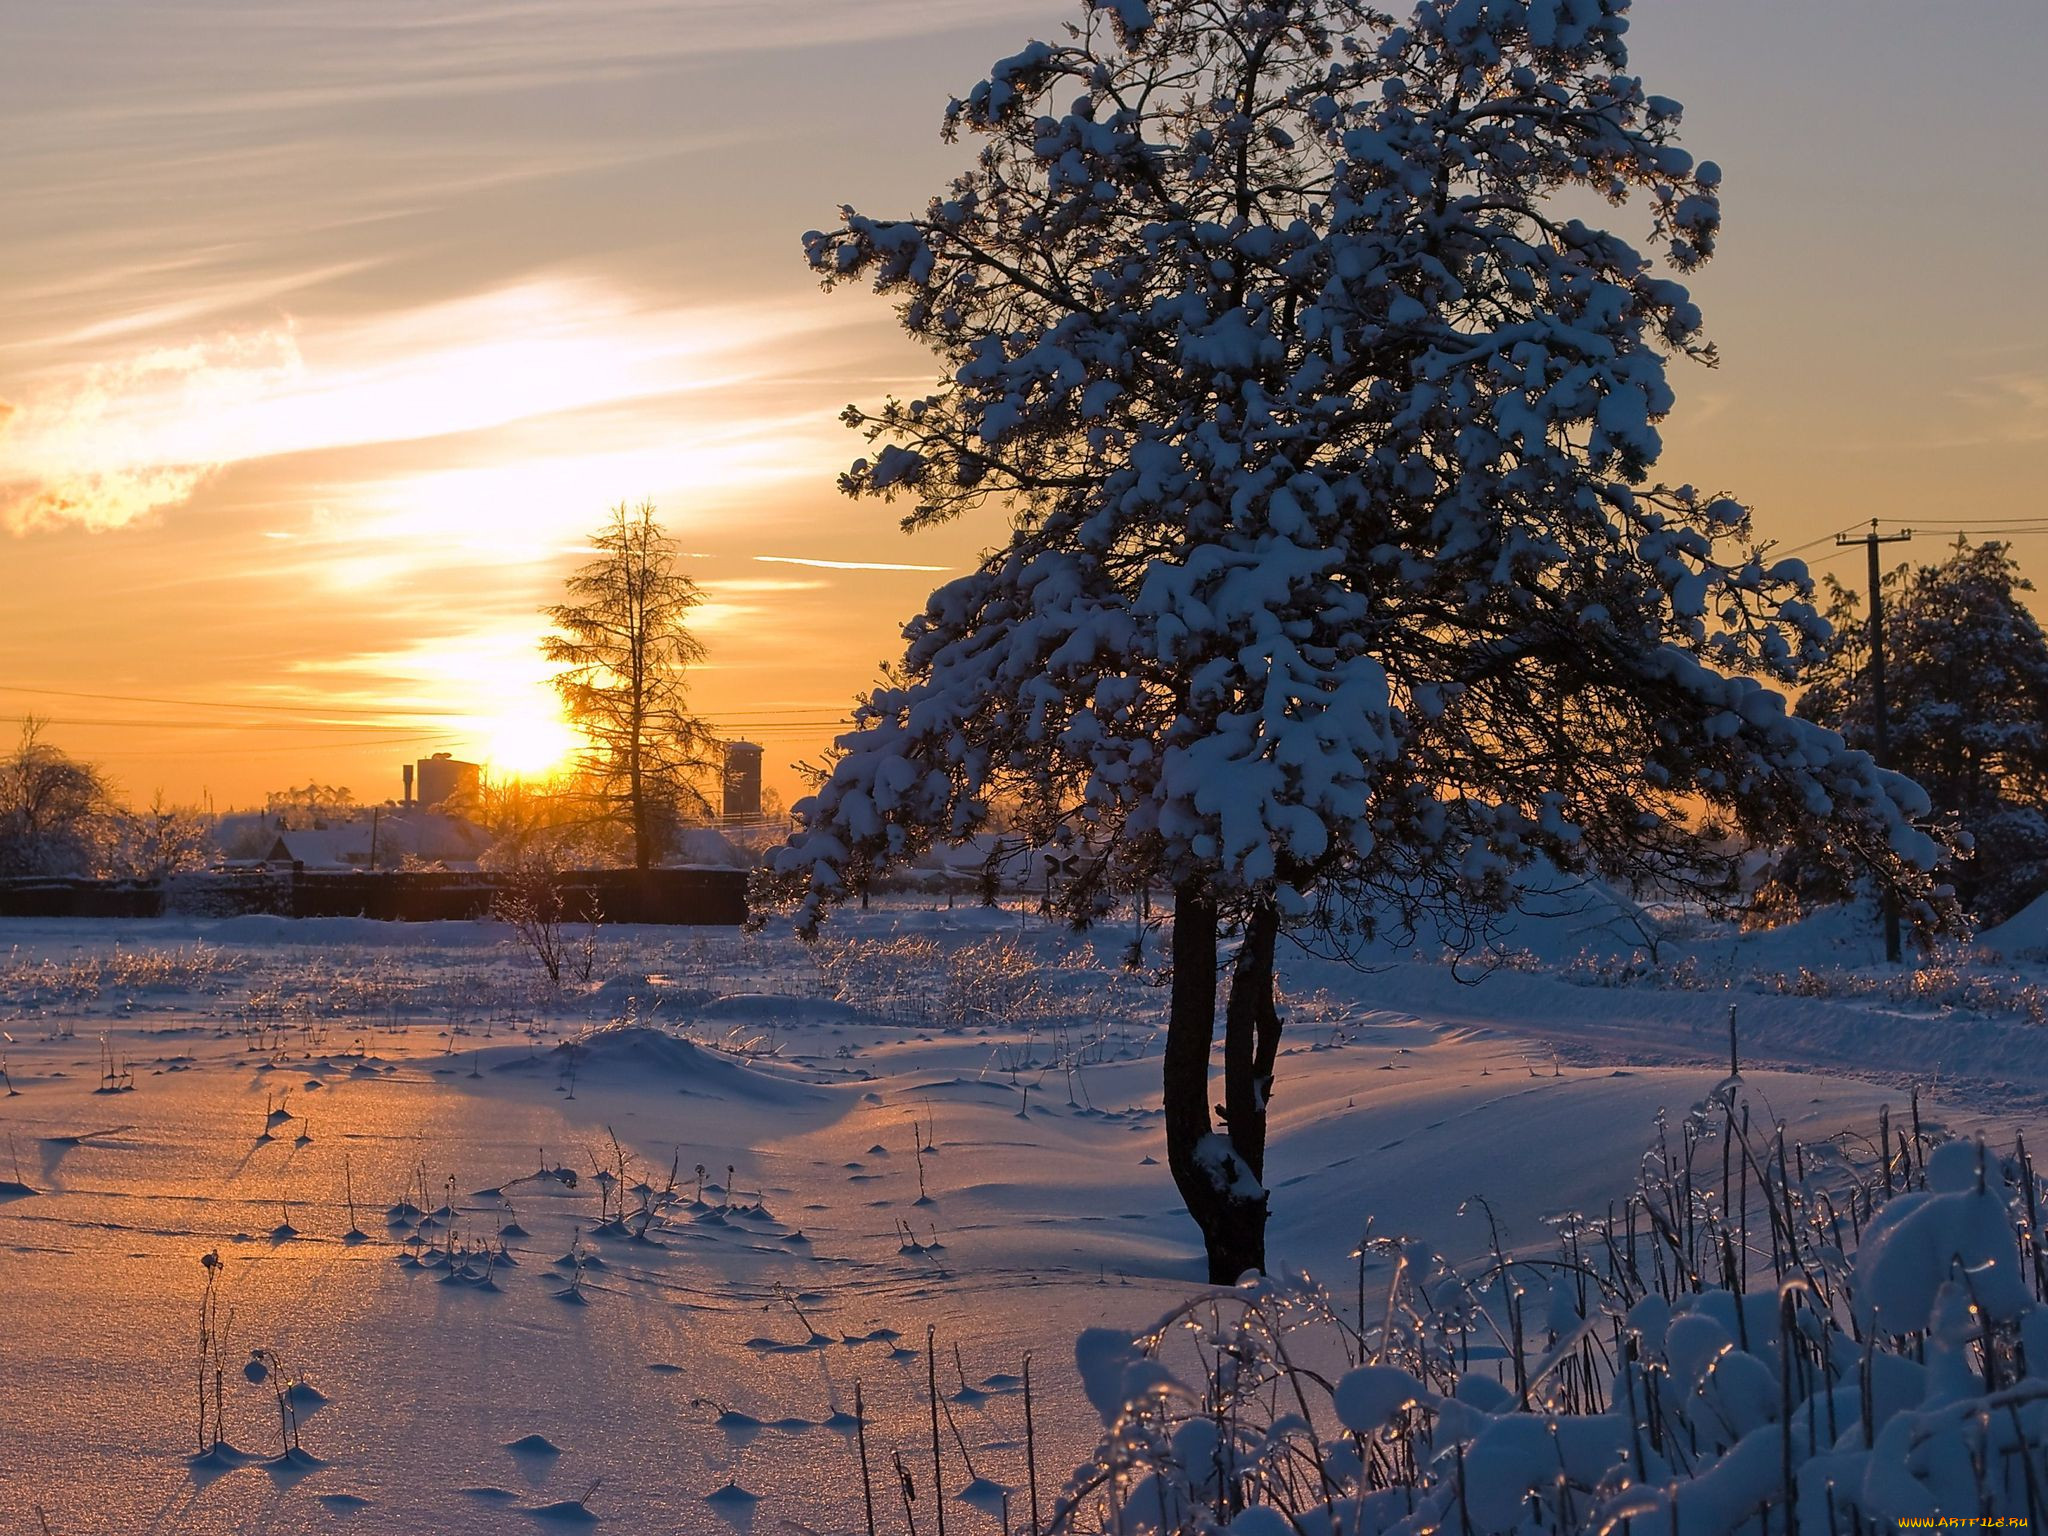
x=54, y=809
x=1334, y=577
x=1966, y=668
x=157, y=841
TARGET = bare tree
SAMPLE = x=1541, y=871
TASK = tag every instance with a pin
x=624, y=647
x=528, y=816
x=537, y=905
x=311, y=804
x=533, y=906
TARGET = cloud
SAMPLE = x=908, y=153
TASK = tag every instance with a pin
x=97, y=500
x=752, y=584
x=350, y=52
x=846, y=565
x=1998, y=410
x=2017, y=405
x=106, y=445
x=93, y=449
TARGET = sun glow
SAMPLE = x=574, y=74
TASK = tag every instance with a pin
x=487, y=696
x=528, y=744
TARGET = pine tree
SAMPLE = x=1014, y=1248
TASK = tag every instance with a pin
x=1334, y=583
x=624, y=647
x=1966, y=667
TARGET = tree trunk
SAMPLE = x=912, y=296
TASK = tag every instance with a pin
x=1219, y=1183
x=643, y=840
x=1251, y=1040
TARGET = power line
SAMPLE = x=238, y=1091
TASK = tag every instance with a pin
x=242, y=751
x=365, y=732
x=284, y=709
x=785, y=730
x=1810, y=543
x=777, y=709
x=1988, y=528
x=2031, y=517
x=762, y=718
x=1995, y=533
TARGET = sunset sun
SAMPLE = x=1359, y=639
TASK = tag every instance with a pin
x=527, y=743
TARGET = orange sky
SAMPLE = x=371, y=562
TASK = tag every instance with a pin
x=329, y=327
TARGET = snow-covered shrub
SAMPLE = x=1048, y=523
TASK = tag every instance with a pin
x=35, y=981
x=1758, y=1342
x=993, y=983
x=1951, y=979
x=1952, y=982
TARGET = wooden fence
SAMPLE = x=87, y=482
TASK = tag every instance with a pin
x=713, y=897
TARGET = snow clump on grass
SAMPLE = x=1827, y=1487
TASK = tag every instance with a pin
x=1759, y=1342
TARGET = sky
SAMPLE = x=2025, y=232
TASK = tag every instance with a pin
x=328, y=331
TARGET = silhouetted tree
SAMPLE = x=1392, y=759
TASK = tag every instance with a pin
x=1334, y=579
x=563, y=817
x=54, y=809
x=311, y=804
x=1966, y=666
x=624, y=644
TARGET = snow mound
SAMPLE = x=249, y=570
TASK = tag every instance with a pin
x=708, y=848
x=2024, y=935
x=654, y=1055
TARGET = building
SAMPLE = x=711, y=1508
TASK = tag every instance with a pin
x=443, y=778
x=381, y=838
x=742, y=782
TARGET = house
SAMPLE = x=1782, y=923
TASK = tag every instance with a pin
x=387, y=839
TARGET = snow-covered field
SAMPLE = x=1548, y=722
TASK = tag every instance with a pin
x=941, y=1120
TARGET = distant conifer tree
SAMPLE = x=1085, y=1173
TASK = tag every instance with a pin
x=1966, y=667
x=624, y=646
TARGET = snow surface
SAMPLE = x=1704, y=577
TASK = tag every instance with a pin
x=940, y=1119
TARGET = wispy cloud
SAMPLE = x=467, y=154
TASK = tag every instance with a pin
x=116, y=441
x=2006, y=410
x=95, y=449
x=846, y=565
x=753, y=585
x=393, y=50
x=346, y=319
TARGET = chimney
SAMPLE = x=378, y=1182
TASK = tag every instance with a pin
x=408, y=784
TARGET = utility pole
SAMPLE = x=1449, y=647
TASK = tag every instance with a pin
x=1880, y=708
